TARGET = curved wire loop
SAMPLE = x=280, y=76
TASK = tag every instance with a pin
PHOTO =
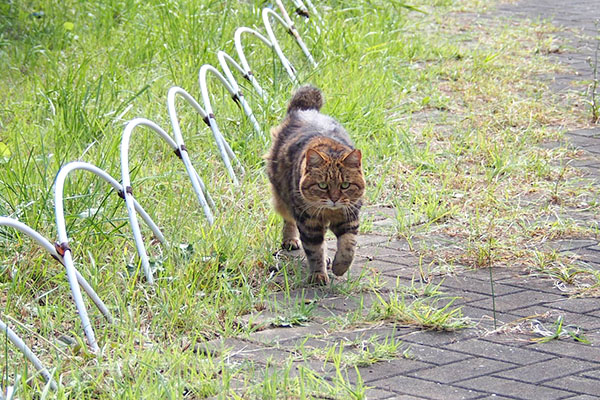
x=293, y=31
x=271, y=42
x=204, y=198
x=20, y=344
x=128, y=192
x=226, y=153
x=291, y=71
x=224, y=61
x=63, y=244
x=244, y=61
x=45, y=243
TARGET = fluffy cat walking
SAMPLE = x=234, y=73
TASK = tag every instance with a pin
x=317, y=183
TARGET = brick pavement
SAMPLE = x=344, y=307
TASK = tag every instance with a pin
x=474, y=363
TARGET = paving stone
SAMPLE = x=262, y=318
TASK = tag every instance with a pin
x=362, y=301
x=397, y=244
x=540, y=311
x=578, y=384
x=471, y=284
x=498, y=351
x=385, y=370
x=514, y=389
x=258, y=319
x=435, y=355
x=381, y=333
x=464, y=296
x=377, y=333
x=308, y=343
x=588, y=132
x=392, y=269
x=242, y=350
x=433, y=338
x=595, y=247
x=483, y=318
x=275, y=335
x=538, y=282
x=524, y=299
x=462, y=370
x=319, y=367
x=547, y=370
x=399, y=257
x=569, y=349
x=593, y=336
x=324, y=315
x=431, y=390
x=585, y=321
x=380, y=394
x=370, y=239
x=596, y=334
x=485, y=310
x=589, y=164
x=507, y=336
x=498, y=274
x=592, y=149
x=571, y=244
x=384, y=226
x=399, y=271
x=580, y=140
x=364, y=270
x=394, y=280
x=489, y=304
x=577, y=305
x=594, y=374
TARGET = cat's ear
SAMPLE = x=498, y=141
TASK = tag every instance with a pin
x=353, y=159
x=314, y=158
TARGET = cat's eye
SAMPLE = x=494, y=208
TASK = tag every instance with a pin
x=345, y=185
x=323, y=185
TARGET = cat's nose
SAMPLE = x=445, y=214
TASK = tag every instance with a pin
x=334, y=196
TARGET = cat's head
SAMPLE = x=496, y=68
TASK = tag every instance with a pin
x=332, y=178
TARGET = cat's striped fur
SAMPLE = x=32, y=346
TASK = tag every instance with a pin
x=317, y=183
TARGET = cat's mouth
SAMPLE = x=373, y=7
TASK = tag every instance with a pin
x=334, y=205
x=329, y=205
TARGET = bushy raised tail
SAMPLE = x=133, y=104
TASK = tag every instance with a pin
x=306, y=98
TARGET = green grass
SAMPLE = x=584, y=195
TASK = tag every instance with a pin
x=358, y=353
x=448, y=115
x=423, y=313
x=558, y=330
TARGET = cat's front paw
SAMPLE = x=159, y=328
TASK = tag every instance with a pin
x=290, y=244
x=339, y=268
x=318, y=278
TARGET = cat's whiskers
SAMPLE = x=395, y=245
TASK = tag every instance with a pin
x=310, y=208
x=351, y=211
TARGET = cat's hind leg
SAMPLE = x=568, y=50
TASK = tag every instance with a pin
x=291, y=237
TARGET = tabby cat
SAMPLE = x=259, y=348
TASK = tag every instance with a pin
x=317, y=183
